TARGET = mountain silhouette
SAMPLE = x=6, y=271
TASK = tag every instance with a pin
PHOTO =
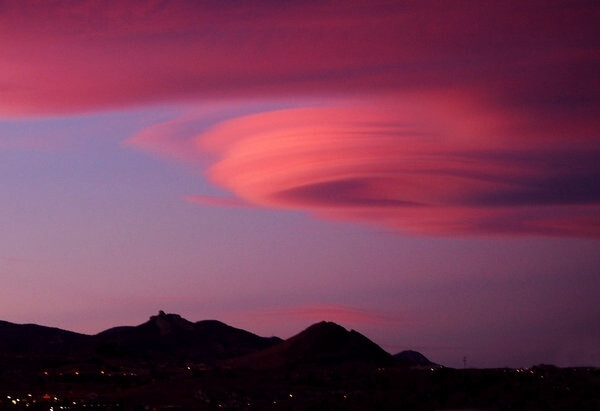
x=162, y=337
x=323, y=343
x=412, y=358
x=38, y=339
x=171, y=336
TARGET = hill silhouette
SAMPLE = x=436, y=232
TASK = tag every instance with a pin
x=323, y=343
x=38, y=339
x=171, y=336
x=164, y=337
x=412, y=358
x=169, y=362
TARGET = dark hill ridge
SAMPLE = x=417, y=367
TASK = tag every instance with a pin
x=324, y=343
x=171, y=336
x=163, y=337
x=157, y=326
x=413, y=358
x=37, y=339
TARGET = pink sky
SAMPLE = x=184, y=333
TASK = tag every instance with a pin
x=425, y=172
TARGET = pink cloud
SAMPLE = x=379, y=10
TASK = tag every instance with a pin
x=415, y=165
x=72, y=56
x=455, y=118
x=171, y=139
x=307, y=314
x=426, y=163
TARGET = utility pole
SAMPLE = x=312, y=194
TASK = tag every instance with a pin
x=465, y=361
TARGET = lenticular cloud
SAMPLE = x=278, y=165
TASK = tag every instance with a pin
x=413, y=165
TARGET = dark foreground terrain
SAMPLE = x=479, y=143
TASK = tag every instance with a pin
x=353, y=387
x=220, y=367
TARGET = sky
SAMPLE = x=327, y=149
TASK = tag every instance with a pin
x=426, y=173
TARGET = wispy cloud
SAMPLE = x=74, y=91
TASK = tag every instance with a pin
x=428, y=163
x=349, y=316
x=73, y=56
x=450, y=118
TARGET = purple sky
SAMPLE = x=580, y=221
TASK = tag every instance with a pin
x=426, y=173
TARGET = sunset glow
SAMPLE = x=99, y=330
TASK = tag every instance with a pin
x=421, y=171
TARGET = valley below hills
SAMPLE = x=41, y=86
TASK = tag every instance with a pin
x=169, y=362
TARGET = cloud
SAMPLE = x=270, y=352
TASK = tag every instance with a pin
x=171, y=139
x=428, y=163
x=328, y=312
x=431, y=117
x=73, y=56
x=63, y=57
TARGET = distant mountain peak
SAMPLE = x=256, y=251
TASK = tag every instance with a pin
x=322, y=343
x=169, y=323
x=325, y=326
x=171, y=336
x=164, y=316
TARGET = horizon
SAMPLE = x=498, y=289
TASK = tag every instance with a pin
x=391, y=351
x=424, y=173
